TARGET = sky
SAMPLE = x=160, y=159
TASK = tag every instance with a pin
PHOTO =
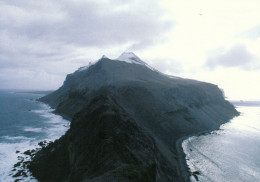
x=213, y=41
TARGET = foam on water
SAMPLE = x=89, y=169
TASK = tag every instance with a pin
x=15, y=138
x=31, y=129
x=229, y=154
x=53, y=126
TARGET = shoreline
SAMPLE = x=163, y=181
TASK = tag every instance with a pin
x=183, y=166
x=20, y=170
x=184, y=169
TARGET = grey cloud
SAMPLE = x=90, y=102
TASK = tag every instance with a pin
x=35, y=35
x=83, y=23
x=166, y=65
x=27, y=79
x=41, y=31
x=237, y=56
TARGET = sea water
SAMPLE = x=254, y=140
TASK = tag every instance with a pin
x=231, y=154
x=24, y=122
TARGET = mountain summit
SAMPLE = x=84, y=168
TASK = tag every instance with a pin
x=127, y=57
x=126, y=120
x=130, y=57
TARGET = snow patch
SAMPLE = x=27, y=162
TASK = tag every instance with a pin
x=130, y=57
x=91, y=63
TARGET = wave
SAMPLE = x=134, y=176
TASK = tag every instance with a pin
x=9, y=153
x=231, y=154
x=52, y=126
x=31, y=129
x=15, y=138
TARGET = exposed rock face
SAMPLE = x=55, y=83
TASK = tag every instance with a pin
x=126, y=119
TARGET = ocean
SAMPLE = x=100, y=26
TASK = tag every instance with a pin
x=228, y=155
x=231, y=154
x=24, y=122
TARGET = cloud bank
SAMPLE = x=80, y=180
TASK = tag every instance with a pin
x=34, y=34
x=237, y=56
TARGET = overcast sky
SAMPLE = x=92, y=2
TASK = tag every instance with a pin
x=213, y=41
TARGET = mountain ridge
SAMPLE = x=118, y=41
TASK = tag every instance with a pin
x=128, y=57
x=136, y=114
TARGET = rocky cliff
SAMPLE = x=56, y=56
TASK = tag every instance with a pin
x=125, y=120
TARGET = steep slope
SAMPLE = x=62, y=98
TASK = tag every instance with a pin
x=126, y=119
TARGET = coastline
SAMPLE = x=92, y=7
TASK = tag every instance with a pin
x=183, y=167
x=218, y=156
x=20, y=168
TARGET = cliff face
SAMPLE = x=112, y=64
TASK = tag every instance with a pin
x=126, y=119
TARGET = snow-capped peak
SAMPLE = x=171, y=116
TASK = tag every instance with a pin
x=130, y=57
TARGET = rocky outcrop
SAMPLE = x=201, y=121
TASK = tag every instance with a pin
x=125, y=121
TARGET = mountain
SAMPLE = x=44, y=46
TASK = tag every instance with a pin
x=126, y=118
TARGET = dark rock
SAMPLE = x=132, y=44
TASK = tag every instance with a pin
x=42, y=143
x=28, y=152
x=20, y=158
x=20, y=173
x=195, y=174
x=17, y=164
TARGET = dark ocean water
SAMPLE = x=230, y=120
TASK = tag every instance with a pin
x=23, y=123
